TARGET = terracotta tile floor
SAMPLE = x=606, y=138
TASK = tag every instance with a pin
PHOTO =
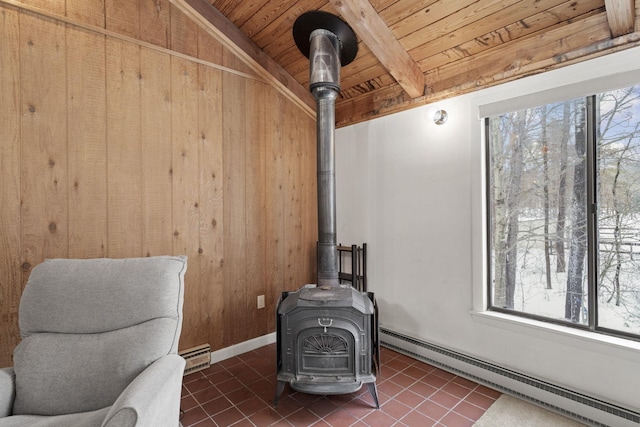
x=239, y=392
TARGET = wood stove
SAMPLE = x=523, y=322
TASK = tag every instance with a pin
x=327, y=341
x=327, y=333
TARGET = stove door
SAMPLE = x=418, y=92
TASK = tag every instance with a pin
x=326, y=352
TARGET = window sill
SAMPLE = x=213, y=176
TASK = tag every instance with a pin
x=585, y=340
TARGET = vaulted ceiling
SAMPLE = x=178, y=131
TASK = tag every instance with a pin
x=412, y=52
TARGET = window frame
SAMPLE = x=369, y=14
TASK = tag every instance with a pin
x=591, y=207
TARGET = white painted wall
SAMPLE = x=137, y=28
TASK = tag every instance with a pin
x=412, y=191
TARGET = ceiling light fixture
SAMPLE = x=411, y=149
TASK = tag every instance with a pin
x=440, y=117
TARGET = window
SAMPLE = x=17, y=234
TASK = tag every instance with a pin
x=563, y=192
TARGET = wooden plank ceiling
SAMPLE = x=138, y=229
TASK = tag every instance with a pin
x=412, y=52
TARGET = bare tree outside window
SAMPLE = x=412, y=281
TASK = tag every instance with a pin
x=575, y=296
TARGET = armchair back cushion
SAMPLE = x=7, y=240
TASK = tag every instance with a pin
x=89, y=327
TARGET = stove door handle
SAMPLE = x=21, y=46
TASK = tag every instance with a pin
x=323, y=322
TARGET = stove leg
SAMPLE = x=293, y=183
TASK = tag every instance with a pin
x=374, y=393
x=279, y=390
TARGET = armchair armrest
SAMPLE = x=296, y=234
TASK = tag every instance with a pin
x=7, y=391
x=153, y=398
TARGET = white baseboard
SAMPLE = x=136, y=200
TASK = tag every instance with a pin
x=243, y=347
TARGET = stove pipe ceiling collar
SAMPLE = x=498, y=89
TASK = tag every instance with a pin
x=329, y=43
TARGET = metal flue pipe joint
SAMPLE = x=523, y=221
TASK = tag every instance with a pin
x=329, y=43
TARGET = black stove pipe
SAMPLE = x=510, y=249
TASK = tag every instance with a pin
x=325, y=88
x=327, y=254
x=329, y=43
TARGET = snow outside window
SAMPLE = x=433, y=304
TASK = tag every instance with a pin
x=564, y=212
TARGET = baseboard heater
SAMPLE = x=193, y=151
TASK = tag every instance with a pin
x=577, y=406
x=197, y=358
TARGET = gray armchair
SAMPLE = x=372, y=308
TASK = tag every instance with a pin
x=99, y=345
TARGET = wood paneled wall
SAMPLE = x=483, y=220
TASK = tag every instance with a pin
x=126, y=131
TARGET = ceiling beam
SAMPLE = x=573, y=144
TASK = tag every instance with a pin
x=621, y=16
x=221, y=28
x=373, y=31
